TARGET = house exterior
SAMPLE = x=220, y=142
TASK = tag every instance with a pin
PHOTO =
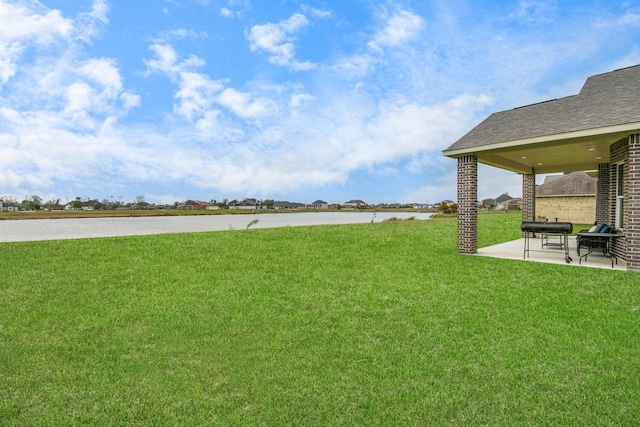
x=142, y=206
x=319, y=204
x=90, y=205
x=8, y=206
x=596, y=130
x=512, y=204
x=354, y=204
x=192, y=205
x=568, y=198
x=487, y=203
x=501, y=200
x=283, y=204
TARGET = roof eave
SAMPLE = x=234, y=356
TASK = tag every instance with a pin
x=586, y=133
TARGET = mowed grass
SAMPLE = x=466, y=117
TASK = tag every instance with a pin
x=370, y=324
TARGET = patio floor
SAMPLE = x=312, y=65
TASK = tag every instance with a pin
x=515, y=250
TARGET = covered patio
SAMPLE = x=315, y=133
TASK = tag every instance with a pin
x=597, y=130
x=515, y=250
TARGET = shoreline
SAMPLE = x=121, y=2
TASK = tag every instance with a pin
x=28, y=215
x=102, y=226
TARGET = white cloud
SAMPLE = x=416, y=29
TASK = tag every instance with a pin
x=21, y=23
x=276, y=40
x=88, y=24
x=242, y=104
x=399, y=28
x=21, y=27
x=166, y=59
x=103, y=72
x=129, y=100
x=315, y=12
x=196, y=94
x=300, y=99
x=354, y=66
x=235, y=8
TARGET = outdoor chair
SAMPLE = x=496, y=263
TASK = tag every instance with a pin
x=593, y=243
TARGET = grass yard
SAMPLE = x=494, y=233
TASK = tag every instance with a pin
x=370, y=324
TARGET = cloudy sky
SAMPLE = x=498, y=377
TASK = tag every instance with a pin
x=280, y=99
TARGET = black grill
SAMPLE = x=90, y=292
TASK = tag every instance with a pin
x=547, y=227
x=562, y=229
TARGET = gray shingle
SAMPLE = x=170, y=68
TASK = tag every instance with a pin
x=575, y=183
x=607, y=99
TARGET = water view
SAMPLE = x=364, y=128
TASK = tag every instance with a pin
x=76, y=228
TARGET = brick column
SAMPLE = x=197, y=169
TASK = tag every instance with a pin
x=529, y=197
x=632, y=205
x=602, y=193
x=468, y=204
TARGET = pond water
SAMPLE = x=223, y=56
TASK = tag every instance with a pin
x=77, y=228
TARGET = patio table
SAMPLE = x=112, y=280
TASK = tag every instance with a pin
x=594, y=239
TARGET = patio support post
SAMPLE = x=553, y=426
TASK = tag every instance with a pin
x=529, y=196
x=468, y=204
x=632, y=205
x=602, y=193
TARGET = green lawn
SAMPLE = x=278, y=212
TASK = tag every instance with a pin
x=370, y=324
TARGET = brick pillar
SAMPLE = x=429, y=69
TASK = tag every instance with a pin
x=602, y=193
x=468, y=204
x=632, y=205
x=529, y=197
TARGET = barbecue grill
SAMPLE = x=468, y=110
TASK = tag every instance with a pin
x=562, y=229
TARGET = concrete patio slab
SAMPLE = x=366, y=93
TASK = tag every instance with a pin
x=515, y=250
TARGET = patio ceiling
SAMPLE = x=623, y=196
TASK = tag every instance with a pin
x=577, y=151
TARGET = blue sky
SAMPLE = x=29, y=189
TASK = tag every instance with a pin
x=286, y=100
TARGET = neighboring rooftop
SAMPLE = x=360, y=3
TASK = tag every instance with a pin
x=572, y=184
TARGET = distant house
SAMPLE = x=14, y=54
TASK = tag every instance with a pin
x=354, y=204
x=141, y=206
x=505, y=197
x=8, y=207
x=569, y=198
x=246, y=204
x=90, y=205
x=487, y=203
x=319, y=204
x=512, y=204
x=192, y=205
x=280, y=204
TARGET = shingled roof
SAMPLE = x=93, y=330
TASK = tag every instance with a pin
x=573, y=184
x=607, y=99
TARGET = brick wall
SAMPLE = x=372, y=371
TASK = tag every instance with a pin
x=529, y=197
x=602, y=193
x=468, y=204
x=632, y=204
x=618, y=152
x=576, y=209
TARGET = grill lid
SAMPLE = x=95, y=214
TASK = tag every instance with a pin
x=547, y=227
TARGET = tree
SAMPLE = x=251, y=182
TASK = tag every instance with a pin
x=445, y=207
x=53, y=204
x=77, y=203
x=34, y=204
x=268, y=203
